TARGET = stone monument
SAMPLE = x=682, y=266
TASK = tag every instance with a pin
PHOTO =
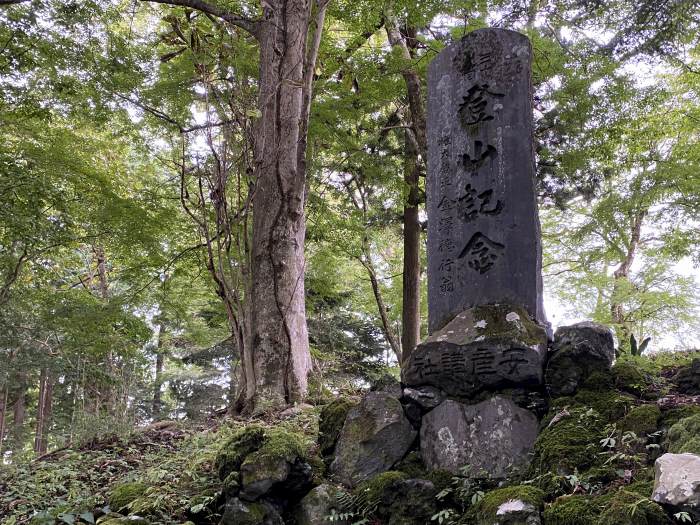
x=486, y=322
x=483, y=227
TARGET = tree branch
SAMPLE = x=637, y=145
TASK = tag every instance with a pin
x=10, y=2
x=251, y=26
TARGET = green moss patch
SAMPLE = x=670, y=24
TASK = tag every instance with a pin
x=244, y=441
x=629, y=508
x=331, y=422
x=572, y=510
x=372, y=489
x=684, y=436
x=642, y=420
x=569, y=444
x=121, y=496
x=485, y=510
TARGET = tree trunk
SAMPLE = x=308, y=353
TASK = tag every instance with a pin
x=410, y=314
x=3, y=409
x=19, y=415
x=158, y=380
x=621, y=275
x=43, y=414
x=280, y=345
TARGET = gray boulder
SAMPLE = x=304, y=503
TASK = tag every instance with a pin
x=677, y=481
x=425, y=397
x=376, y=434
x=491, y=438
x=316, y=506
x=578, y=351
x=483, y=348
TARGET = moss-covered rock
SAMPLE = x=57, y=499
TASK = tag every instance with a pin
x=551, y=484
x=628, y=508
x=372, y=489
x=244, y=441
x=330, y=423
x=280, y=462
x=412, y=465
x=684, y=436
x=485, y=512
x=122, y=495
x=629, y=377
x=568, y=444
x=572, y=510
x=671, y=416
x=642, y=420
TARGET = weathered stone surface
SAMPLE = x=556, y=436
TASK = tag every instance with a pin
x=316, y=506
x=483, y=228
x=517, y=512
x=376, y=434
x=578, y=351
x=492, y=438
x=677, y=480
x=408, y=502
x=426, y=397
x=275, y=474
x=688, y=378
x=237, y=512
x=485, y=347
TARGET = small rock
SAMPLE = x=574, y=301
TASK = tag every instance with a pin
x=578, y=351
x=677, y=480
x=316, y=506
x=426, y=397
x=491, y=438
x=376, y=434
x=117, y=519
x=517, y=512
x=236, y=512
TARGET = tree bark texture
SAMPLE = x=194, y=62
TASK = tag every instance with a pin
x=410, y=314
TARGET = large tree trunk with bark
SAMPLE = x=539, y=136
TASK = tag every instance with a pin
x=280, y=345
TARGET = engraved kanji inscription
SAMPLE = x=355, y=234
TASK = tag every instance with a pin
x=478, y=105
x=481, y=253
x=445, y=225
x=473, y=204
x=482, y=153
x=446, y=245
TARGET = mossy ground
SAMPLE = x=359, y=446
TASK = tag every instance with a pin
x=684, y=436
x=485, y=510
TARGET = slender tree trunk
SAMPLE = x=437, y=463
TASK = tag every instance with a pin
x=19, y=415
x=43, y=413
x=107, y=392
x=158, y=378
x=416, y=144
x=410, y=314
x=3, y=410
x=621, y=275
x=389, y=334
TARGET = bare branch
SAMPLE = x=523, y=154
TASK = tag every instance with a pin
x=232, y=18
